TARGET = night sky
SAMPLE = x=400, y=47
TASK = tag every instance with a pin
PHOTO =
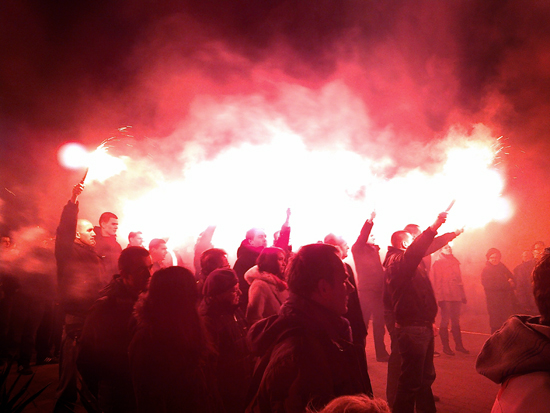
x=77, y=71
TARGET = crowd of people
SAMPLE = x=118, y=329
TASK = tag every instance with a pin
x=134, y=330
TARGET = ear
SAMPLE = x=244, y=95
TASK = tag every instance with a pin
x=77, y=235
x=323, y=286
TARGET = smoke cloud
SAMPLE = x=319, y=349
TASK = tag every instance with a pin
x=393, y=82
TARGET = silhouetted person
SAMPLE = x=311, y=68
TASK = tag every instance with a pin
x=135, y=239
x=370, y=285
x=497, y=281
x=450, y=295
x=354, y=314
x=523, y=281
x=158, y=251
x=281, y=239
x=517, y=356
x=170, y=358
x=103, y=357
x=227, y=330
x=79, y=275
x=268, y=289
x=106, y=245
x=423, y=268
x=538, y=250
x=247, y=254
x=211, y=260
x=307, y=354
x=412, y=302
x=204, y=243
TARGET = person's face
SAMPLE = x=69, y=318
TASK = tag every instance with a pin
x=158, y=254
x=526, y=256
x=136, y=241
x=281, y=260
x=407, y=240
x=335, y=295
x=224, y=262
x=447, y=250
x=494, y=258
x=259, y=240
x=5, y=242
x=343, y=248
x=85, y=232
x=139, y=278
x=110, y=227
x=231, y=297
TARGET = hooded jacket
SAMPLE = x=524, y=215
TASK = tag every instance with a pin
x=518, y=357
x=306, y=359
x=266, y=294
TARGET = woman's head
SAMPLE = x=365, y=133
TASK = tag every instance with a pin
x=272, y=260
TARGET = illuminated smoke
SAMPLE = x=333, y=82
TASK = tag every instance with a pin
x=269, y=162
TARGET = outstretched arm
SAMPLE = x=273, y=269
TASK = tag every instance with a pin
x=365, y=231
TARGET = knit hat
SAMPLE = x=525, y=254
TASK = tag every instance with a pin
x=219, y=281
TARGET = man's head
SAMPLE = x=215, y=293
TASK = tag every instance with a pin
x=272, y=260
x=5, y=241
x=316, y=272
x=158, y=249
x=256, y=238
x=526, y=256
x=109, y=224
x=401, y=239
x=85, y=232
x=340, y=244
x=222, y=285
x=541, y=288
x=213, y=259
x=134, y=265
x=493, y=256
x=413, y=229
x=538, y=249
x=447, y=250
x=135, y=239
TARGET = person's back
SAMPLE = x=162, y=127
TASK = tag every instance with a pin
x=227, y=331
x=170, y=359
x=517, y=356
x=103, y=357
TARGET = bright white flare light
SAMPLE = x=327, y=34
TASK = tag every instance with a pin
x=72, y=155
x=100, y=164
x=327, y=190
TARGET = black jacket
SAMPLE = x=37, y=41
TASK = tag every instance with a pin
x=79, y=268
x=109, y=250
x=307, y=358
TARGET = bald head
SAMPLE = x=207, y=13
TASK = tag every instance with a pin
x=401, y=239
x=85, y=232
x=413, y=229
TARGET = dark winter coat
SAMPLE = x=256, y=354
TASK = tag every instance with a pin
x=227, y=330
x=246, y=259
x=79, y=268
x=109, y=250
x=307, y=358
x=103, y=357
x=370, y=273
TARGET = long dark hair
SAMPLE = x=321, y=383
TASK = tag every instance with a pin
x=169, y=310
x=268, y=261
